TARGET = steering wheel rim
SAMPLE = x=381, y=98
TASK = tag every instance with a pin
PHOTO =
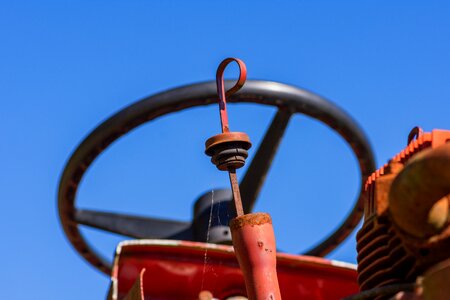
x=276, y=94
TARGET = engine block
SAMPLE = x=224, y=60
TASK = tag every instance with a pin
x=406, y=189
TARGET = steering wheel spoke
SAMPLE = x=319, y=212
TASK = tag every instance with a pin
x=134, y=226
x=256, y=173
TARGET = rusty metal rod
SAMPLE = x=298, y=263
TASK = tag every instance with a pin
x=236, y=192
x=224, y=119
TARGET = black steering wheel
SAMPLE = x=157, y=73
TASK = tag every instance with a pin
x=287, y=99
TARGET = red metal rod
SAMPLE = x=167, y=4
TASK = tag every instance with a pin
x=255, y=248
x=234, y=89
x=252, y=234
x=224, y=118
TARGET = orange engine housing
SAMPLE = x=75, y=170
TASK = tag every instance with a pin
x=386, y=254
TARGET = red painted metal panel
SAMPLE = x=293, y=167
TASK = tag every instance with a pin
x=177, y=270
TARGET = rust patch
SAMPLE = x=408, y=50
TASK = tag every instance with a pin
x=205, y=295
x=250, y=219
x=435, y=281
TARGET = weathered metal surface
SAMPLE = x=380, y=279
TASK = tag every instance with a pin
x=250, y=220
x=205, y=295
x=255, y=248
x=227, y=138
x=432, y=285
x=423, y=141
x=418, y=199
x=275, y=94
x=406, y=228
x=177, y=270
x=384, y=292
x=382, y=259
x=229, y=149
x=236, y=194
x=436, y=282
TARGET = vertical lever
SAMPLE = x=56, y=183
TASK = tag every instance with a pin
x=229, y=149
x=252, y=234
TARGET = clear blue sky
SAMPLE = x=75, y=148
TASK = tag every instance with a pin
x=67, y=65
